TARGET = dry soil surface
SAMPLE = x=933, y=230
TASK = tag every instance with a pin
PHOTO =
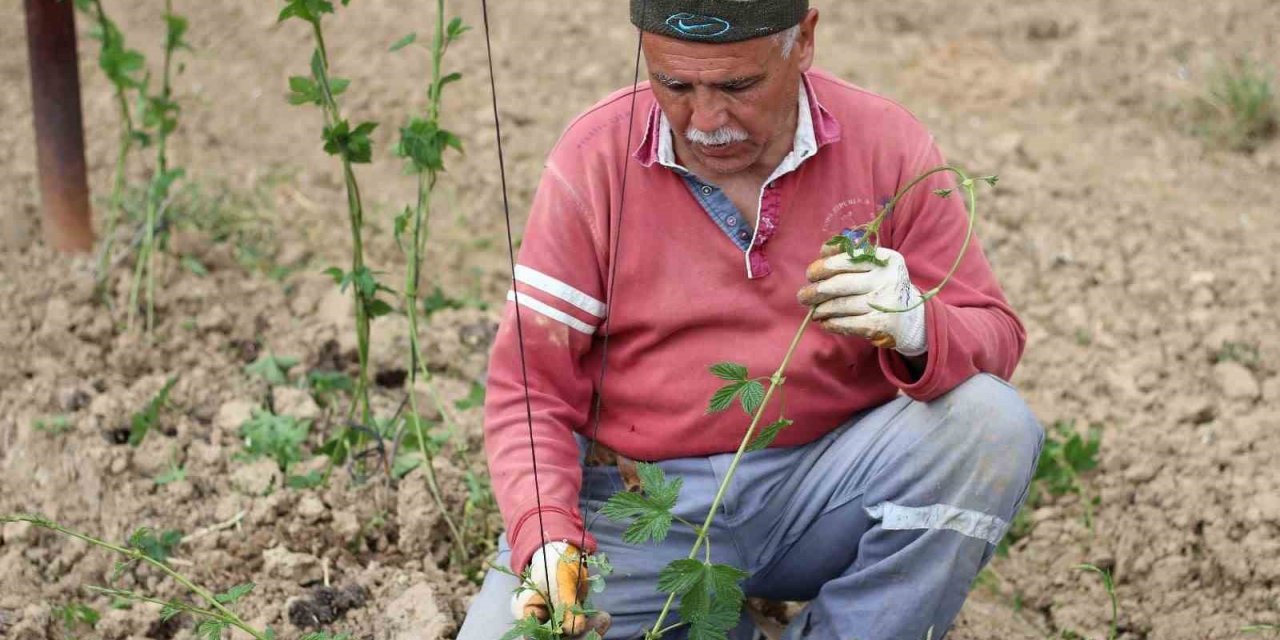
x=1142, y=259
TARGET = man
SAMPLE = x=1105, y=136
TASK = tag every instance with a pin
x=908, y=456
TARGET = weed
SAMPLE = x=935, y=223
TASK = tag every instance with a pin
x=272, y=369
x=175, y=473
x=1241, y=352
x=55, y=426
x=326, y=386
x=1239, y=108
x=1066, y=455
x=158, y=547
x=1261, y=628
x=277, y=437
x=1110, y=586
x=143, y=421
x=74, y=615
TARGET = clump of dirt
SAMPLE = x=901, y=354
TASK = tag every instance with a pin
x=326, y=605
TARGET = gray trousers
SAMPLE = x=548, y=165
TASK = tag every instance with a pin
x=882, y=525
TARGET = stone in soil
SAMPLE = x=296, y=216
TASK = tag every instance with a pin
x=418, y=614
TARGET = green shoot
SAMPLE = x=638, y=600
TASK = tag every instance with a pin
x=212, y=611
x=272, y=369
x=74, y=615
x=423, y=143
x=274, y=436
x=143, y=421
x=1109, y=585
x=55, y=426
x=1240, y=110
x=352, y=146
x=160, y=113
x=326, y=386
x=1261, y=628
x=1066, y=455
x=175, y=473
x=122, y=67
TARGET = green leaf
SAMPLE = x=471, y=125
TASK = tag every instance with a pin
x=723, y=397
x=421, y=145
x=175, y=28
x=766, y=437
x=405, y=463
x=304, y=90
x=193, y=264
x=474, y=399
x=378, y=308
x=170, y=611
x=352, y=144
x=942, y=193
x=174, y=474
x=407, y=40
x=230, y=596
x=142, y=422
x=158, y=548
x=210, y=629
x=730, y=371
x=339, y=276
x=280, y=437
x=272, y=368
x=456, y=28
x=311, y=480
x=308, y=10
x=650, y=511
x=752, y=396
x=680, y=576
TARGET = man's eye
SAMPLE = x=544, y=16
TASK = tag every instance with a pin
x=738, y=88
x=678, y=87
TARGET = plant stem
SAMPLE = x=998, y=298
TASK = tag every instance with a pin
x=775, y=382
x=116, y=202
x=136, y=555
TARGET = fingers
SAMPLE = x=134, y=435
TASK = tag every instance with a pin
x=842, y=306
x=537, y=607
x=838, y=286
x=829, y=250
x=600, y=623
x=828, y=266
x=571, y=579
x=873, y=327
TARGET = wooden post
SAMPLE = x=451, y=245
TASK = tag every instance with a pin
x=55, y=98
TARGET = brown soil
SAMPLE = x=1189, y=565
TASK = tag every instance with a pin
x=1134, y=251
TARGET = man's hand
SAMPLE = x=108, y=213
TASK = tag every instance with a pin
x=565, y=584
x=843, y=292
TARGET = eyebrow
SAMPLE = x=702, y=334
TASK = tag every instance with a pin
x=731, y=83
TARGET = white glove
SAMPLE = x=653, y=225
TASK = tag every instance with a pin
x=843, y=294
x=566, y=585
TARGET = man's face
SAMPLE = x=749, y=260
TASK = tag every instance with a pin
x=729, y=104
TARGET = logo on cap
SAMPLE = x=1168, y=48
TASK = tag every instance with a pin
x=697, y=26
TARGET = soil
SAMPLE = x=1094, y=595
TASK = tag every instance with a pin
x=1141, y=257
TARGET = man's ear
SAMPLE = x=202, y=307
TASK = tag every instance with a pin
x=805, y=42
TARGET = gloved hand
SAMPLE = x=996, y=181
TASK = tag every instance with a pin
x=566, y=585
x=843, y=292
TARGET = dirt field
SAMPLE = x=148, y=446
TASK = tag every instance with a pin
x=1142, y=260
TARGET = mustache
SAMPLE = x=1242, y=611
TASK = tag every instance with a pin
x=723, y=135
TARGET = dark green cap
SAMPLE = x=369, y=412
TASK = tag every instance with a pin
x=717, y=20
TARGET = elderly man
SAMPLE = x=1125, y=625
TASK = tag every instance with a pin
x=909, y=454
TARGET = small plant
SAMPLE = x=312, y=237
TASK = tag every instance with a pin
x=1239, y=109
x=1066, y=455
x=175, y=473
x=160, y=114
x=277, y=437
x=212, y=611
x=143, y=421
x=272, y=369
x=1261, y=628
x=1110, y=586
x=1242, y=352
x=55, y=426
x=74, y=615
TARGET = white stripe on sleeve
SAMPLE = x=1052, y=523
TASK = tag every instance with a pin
x=559, y=289
x=551, y=312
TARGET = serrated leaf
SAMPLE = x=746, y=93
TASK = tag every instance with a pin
x=143, y=421
x=232, y=595
x=765, y=437
x=730, y=371
x=723, y=397
x=170, y=611
x=378, y=308
x=752, y=396
x=650, y=511
x=407, y=40
x=210, y=629
x=680, y=576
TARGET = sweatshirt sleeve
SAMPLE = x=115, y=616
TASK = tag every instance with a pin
x=559, y=284
x=969, y=326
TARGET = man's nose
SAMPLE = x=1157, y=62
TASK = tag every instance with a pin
x=709, y=111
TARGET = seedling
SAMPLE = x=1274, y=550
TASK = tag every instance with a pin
x=160, y=114
x=351, y=144
x=710, y=596
x=326, y=386
x=272, y=369
x=1110, y=586
x=175, y=473
x=55, y=426
x=1066, y=455
x=1240, y=109
x=143, y=421
x=74, y=615
x=123, y=68
x=1243, y=352
x=275, y=436
x=212, y=611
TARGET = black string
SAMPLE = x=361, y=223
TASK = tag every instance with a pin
x=613, y=271
x=511, y=252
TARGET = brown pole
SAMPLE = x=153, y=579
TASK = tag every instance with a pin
x=55, y=97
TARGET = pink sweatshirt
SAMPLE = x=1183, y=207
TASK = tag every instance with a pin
x=686, y=297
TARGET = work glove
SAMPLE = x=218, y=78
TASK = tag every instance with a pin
x=566, y=585
x=843, y=294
